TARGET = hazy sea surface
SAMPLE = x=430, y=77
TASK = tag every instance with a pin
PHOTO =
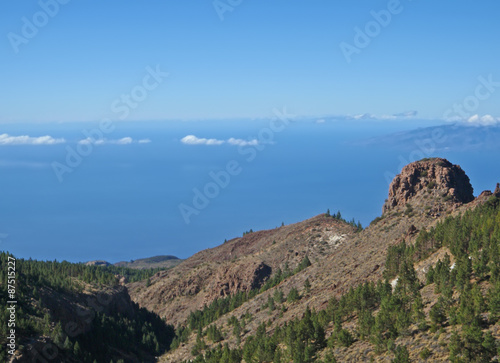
x=122, y=201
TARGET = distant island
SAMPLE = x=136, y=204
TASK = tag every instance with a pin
x=163, y=261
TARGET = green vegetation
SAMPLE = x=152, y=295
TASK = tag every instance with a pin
x=467, y=283
x=384, y=314
x=409, y=210
x=38, y=283
x=376, y=220
x=248, y=232
x=199, y=319
x=293, y=295
x=339, y=217
x=144, y=333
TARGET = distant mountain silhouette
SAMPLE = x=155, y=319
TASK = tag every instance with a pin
x=446, y=137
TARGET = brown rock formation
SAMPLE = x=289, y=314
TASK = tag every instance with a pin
x=233, y=278
x=434, y=177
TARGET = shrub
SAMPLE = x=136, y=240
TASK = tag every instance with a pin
x=376, y=220
x=425, y=353
x=402, y=355
x=409, y=210
x=293, y=295
x=345, y=338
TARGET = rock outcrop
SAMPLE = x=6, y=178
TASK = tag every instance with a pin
x=434, y=177
x=233, y=278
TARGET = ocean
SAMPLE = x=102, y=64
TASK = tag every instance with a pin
x=144, y=192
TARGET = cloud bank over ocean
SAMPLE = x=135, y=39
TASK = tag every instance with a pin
x=194, y=140
x=6, y=139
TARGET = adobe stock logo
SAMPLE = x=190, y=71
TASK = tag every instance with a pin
x=486, y=86
x=121, y=107
x=364, y=36
x=425, y=146
x=223, y=6
x=31, y=27
x=221, y=179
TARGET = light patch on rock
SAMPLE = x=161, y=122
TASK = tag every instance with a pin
x=336, y=239
x=394, y=282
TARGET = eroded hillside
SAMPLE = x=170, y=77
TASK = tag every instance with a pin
x=241, y=264
x=422, y=195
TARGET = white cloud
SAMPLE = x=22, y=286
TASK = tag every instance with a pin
x=241, y=142
x=6, y=139
x=371, y=116
x=123, y=141
x=322, y=121
x=486, y=120
x=193, y=140
x=364, y=116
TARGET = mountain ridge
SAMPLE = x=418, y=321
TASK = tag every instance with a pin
x=310, y=275
x=160, y=261
x=361, y=257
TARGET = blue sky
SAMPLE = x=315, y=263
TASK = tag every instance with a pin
x=75, y=60
x=262, y=55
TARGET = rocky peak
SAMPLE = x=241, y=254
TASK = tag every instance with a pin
x=434, y=177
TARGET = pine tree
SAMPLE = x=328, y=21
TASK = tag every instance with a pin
x=68, y=344
x=304, y=263
x=401, y=355
x=418, y=315
x=489, y=347
x=472, y=340
x=366, y=322
x=307, y=286
x=293, y=295
x=277, y=356
x=270, y=304
x=77, y=351
x=437, y=314
x=430, y=275
x=329, y=357
x=278, y=296
x=494, y=301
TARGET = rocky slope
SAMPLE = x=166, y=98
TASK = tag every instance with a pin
x=424, y=193
x=240, y=264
